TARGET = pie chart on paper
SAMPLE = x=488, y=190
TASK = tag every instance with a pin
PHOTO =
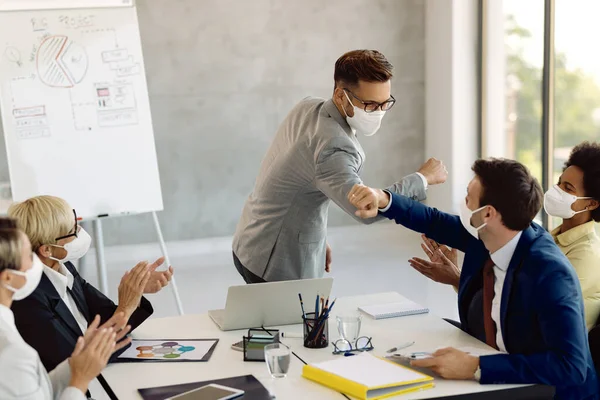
x=61, y=63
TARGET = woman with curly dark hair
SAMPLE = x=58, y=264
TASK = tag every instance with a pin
x=576, y=199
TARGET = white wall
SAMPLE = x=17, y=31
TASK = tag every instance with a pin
x=451, y=122
x=494, y=80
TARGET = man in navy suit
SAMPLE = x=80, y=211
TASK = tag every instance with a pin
x=531, y=299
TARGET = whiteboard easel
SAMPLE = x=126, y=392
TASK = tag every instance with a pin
x=75, y=106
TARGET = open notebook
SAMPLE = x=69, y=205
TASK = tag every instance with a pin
x=367, y=377
x=392, y=310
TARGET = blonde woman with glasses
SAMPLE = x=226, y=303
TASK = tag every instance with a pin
x=23, y=375
x=64, y=304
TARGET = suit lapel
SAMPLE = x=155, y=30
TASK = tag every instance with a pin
x=59, y=307
x=523, y=246
x=77, y=293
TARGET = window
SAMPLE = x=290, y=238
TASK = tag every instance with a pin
x=576, y=78
x=524, y=50
x=549, y=97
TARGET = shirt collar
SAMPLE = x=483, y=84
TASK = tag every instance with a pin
x=502, y=257
x=333, y=111
x=61, y=279
x=572, y=235
x=8, y=317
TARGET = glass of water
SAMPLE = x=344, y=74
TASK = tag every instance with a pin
x=349, y=326
x=277, y=357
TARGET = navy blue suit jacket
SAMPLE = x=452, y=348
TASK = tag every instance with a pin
x=47, y=325
x=541, y=310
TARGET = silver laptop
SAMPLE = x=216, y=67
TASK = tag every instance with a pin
x=269, y=304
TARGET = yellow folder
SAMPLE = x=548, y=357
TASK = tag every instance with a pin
x=367, y=377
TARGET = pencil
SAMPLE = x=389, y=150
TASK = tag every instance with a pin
x=302, y=306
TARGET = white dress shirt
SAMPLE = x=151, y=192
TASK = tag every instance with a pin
x=501, y=259
x=61, y=280
x=23, y=374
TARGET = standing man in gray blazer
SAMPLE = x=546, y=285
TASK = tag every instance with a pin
x=316, y=157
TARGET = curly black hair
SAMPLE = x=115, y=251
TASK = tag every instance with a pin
x=587, y=157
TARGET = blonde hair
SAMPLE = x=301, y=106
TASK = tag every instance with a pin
x=11, y=243
x=43, y=219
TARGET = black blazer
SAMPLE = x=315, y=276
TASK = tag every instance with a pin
x=48, y=326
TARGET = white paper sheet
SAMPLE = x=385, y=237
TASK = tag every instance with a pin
x=369, y=370
x=393, y=310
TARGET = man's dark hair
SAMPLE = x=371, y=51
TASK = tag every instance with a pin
x=587, y=157
x=509, y=187
x=361, y=65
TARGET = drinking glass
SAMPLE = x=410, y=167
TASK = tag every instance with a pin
x=349, y=326
x=277, y=357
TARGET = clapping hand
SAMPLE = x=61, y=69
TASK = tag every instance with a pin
x=442, y=265
x=132, y=288
x=158, y=279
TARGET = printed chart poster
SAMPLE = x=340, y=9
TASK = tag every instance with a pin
x=169, y=350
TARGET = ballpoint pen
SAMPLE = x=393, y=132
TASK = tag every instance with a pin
x=402, y=346
x=330, y=308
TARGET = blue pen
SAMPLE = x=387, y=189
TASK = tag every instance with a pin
x=330, y=308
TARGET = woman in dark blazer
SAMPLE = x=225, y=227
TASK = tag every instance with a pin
x=64, y=304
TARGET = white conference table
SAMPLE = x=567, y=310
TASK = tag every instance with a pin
x=427, y=330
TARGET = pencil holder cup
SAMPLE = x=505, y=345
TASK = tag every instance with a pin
x=316, y=331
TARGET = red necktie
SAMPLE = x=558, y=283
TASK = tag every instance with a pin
x=488, y=297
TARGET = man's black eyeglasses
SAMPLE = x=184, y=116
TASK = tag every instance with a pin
x=371, y=106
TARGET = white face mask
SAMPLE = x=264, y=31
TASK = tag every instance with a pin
x=32, y=279
x=465, y=218
x=75, y=249
x=363, y=122
x=557, y=203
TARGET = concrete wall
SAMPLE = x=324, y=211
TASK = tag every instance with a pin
x=222, y=74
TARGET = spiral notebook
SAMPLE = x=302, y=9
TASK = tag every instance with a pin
x=393, y=310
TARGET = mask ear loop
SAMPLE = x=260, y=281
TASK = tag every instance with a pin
x=587, y=208
x=53, y=246
x=349, y=101
x=483, y=225
x=14, y=272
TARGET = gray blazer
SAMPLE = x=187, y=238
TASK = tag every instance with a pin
x=314, y=158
